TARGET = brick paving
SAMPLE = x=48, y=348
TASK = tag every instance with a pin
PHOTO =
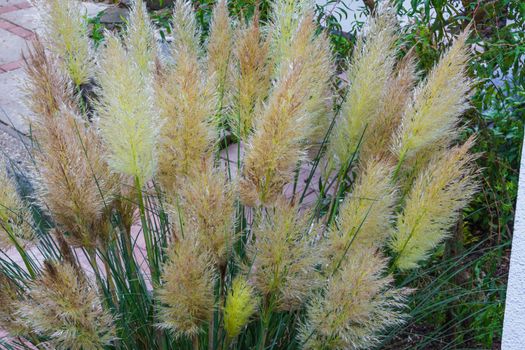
x=18, y=24
x=13, y=42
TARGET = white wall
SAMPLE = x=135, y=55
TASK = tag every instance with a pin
x=514, y=322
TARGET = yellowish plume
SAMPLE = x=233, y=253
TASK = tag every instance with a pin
x=285, y=18
x=15, y=218
x=433, y=204
x=10, y=294
x=140, y=38
x=240, y=305
x=128, y=123
x=437, y=104
x=66, y=32
x=369, y=72
x=366, y=215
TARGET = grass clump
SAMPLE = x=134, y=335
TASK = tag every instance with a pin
x=181, y=197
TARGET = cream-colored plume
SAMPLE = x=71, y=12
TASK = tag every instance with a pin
x=283, y=261
x=140, y=38
x=438, y=102
x=433, y=204
x=128, y=122
x=357, y=304
x=366, y=215
x=369, y=72
x=66, y=33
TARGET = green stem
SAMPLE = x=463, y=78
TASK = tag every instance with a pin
x=398, y=166
x=23, y=254
x=155, y=277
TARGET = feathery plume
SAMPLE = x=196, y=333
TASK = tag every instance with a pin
x=128, y=123
x=294, y=38
x=140, y=38
x=46, y=87
x=283, y=259
x=187, y=299
x=314, y=50
x=67, y=310
x=356, y=305
x=277, y=144
x=66, y=33
x=371, y=67
x=240, y=305
x=73, y=180
x=15, y=218
x=365, y=217
x=186, y=32
x=9, y=296
x=437, y=104
x=382, y=130
x=207, y=202
x=252, y=77
x=220, y=46
x=187, y=104
x=285, y=18
x=432, y=205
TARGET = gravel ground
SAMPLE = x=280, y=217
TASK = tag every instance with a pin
x=12, y=147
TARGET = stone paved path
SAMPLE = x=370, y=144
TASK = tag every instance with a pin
x=18, y=23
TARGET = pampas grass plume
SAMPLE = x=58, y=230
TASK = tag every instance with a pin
x=66, y=308
x=128, y=123
x=207, y=202
x=187, y=298
x=15, y=218
x=252, y=77
x=240, y=305
x=284, y=263
x=140, y=38
x=438, y=102
x=366, y=215
x=357, y=304
x=433, y=204
x=220, y=47
x=369, y=72
x=66, y=33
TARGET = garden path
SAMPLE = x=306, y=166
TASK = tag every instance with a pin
x=18, y=23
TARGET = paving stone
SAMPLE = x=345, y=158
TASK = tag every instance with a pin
x=12, y=46
x=12, y=110
x=26, y=18
x=114, y=16
x=4, y=3
x=92, y=9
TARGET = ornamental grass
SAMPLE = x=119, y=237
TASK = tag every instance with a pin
x=236, y=195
